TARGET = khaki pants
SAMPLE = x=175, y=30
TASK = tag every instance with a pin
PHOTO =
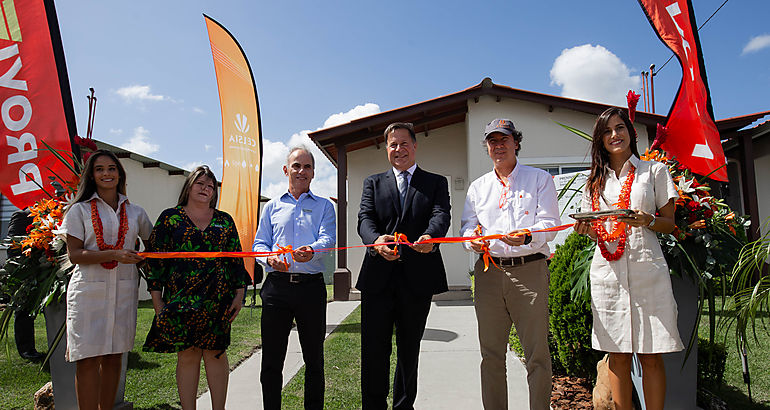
x=515, y=295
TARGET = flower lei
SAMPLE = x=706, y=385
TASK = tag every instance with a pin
x=96, y=221
x=504, y=193
x=618, y=228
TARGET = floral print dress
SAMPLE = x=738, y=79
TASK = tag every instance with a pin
x=197, y=291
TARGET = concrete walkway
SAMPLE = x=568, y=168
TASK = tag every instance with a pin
x=449, y=363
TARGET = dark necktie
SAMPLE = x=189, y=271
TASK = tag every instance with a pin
x=403, y=186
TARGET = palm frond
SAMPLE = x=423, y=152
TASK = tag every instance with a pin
x=752, y=296
x=576, y=131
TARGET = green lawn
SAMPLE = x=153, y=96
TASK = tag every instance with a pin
x=342, y=369
x=734, y=391
x=150, y=380
x=20, y=379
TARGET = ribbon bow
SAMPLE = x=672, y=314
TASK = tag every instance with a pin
x=399, y=238
x=286, y=250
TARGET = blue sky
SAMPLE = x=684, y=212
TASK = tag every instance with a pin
x=322, y=63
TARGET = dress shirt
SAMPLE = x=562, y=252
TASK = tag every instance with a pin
x=397, y=173
x=285, y=221
x=530, y=203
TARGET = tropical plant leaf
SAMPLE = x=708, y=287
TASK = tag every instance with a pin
x=38, y=185
x=751, y=297
x=53, y=346
x=58, y=156
x=581, y=273
x=576, y=131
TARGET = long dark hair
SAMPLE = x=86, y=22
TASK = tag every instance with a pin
x=600, y=158
x=201, y=171
x=87, y=185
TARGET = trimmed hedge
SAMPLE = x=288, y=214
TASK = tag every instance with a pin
x=570, y=321
x=711, y=363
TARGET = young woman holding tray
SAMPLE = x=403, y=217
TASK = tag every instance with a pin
x=633, y=305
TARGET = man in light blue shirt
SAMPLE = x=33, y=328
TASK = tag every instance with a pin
x=294, y=288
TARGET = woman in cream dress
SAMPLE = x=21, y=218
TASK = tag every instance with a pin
x=102, y=228
x=633, y=305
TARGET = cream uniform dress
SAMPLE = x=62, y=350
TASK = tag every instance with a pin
x=102, y=303
x=633, y=306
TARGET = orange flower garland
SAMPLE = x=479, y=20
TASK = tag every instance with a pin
x=618, y=228
x=96, y=221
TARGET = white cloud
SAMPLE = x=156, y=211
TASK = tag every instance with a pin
x=324, y=183
x=192, y=165
x=207, y=147
x=140, y=142
x=593, y=73
x=358, y=111
x=116, y=131
x=757, y=43
x=139, y=93
x=198, y=110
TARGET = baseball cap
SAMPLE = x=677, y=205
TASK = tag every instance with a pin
x=499, y=125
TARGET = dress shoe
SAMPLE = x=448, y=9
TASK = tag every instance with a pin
x=32, y=355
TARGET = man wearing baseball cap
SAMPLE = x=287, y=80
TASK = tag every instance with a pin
x=515, y=200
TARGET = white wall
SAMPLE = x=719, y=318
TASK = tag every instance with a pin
x=761, y=150
x=151, y=188
x=544, y=141
x=154, y=190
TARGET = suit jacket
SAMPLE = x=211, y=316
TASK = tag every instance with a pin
x=17, y=226
x=426, y=211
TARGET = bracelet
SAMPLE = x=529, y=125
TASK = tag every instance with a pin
x=652, y=223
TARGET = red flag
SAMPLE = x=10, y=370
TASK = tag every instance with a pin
x=241, y=135
x=693, y=137
x=31, y=103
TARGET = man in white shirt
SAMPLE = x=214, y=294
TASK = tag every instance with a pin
x=512, y=199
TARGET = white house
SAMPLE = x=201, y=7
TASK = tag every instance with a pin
x=450, y=136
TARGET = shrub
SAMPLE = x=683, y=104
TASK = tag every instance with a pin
x=711, y=363
x=570, y=321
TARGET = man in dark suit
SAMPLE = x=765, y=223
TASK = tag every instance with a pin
x=397, y=283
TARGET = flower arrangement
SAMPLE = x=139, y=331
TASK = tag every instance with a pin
x=708, y=235
x=38, y=269
x=39, y=272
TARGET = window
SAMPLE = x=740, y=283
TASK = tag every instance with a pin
x=562, y=169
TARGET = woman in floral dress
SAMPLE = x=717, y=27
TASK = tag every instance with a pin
x=633, y=305
x=102, y=294
x=196, y=299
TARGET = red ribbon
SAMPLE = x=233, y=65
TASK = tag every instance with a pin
x=400, y=239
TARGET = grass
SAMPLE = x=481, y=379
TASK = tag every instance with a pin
x=150, y=379
x=342, y=369
x=20, y=379
x=734, y=391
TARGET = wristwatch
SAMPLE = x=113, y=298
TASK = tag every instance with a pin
x=652, y=223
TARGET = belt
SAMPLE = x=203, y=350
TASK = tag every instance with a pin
x=296, y=277
x=517, y=260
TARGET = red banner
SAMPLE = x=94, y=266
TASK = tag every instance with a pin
x=241, y=135
x=32, y=108
x=693, y=137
